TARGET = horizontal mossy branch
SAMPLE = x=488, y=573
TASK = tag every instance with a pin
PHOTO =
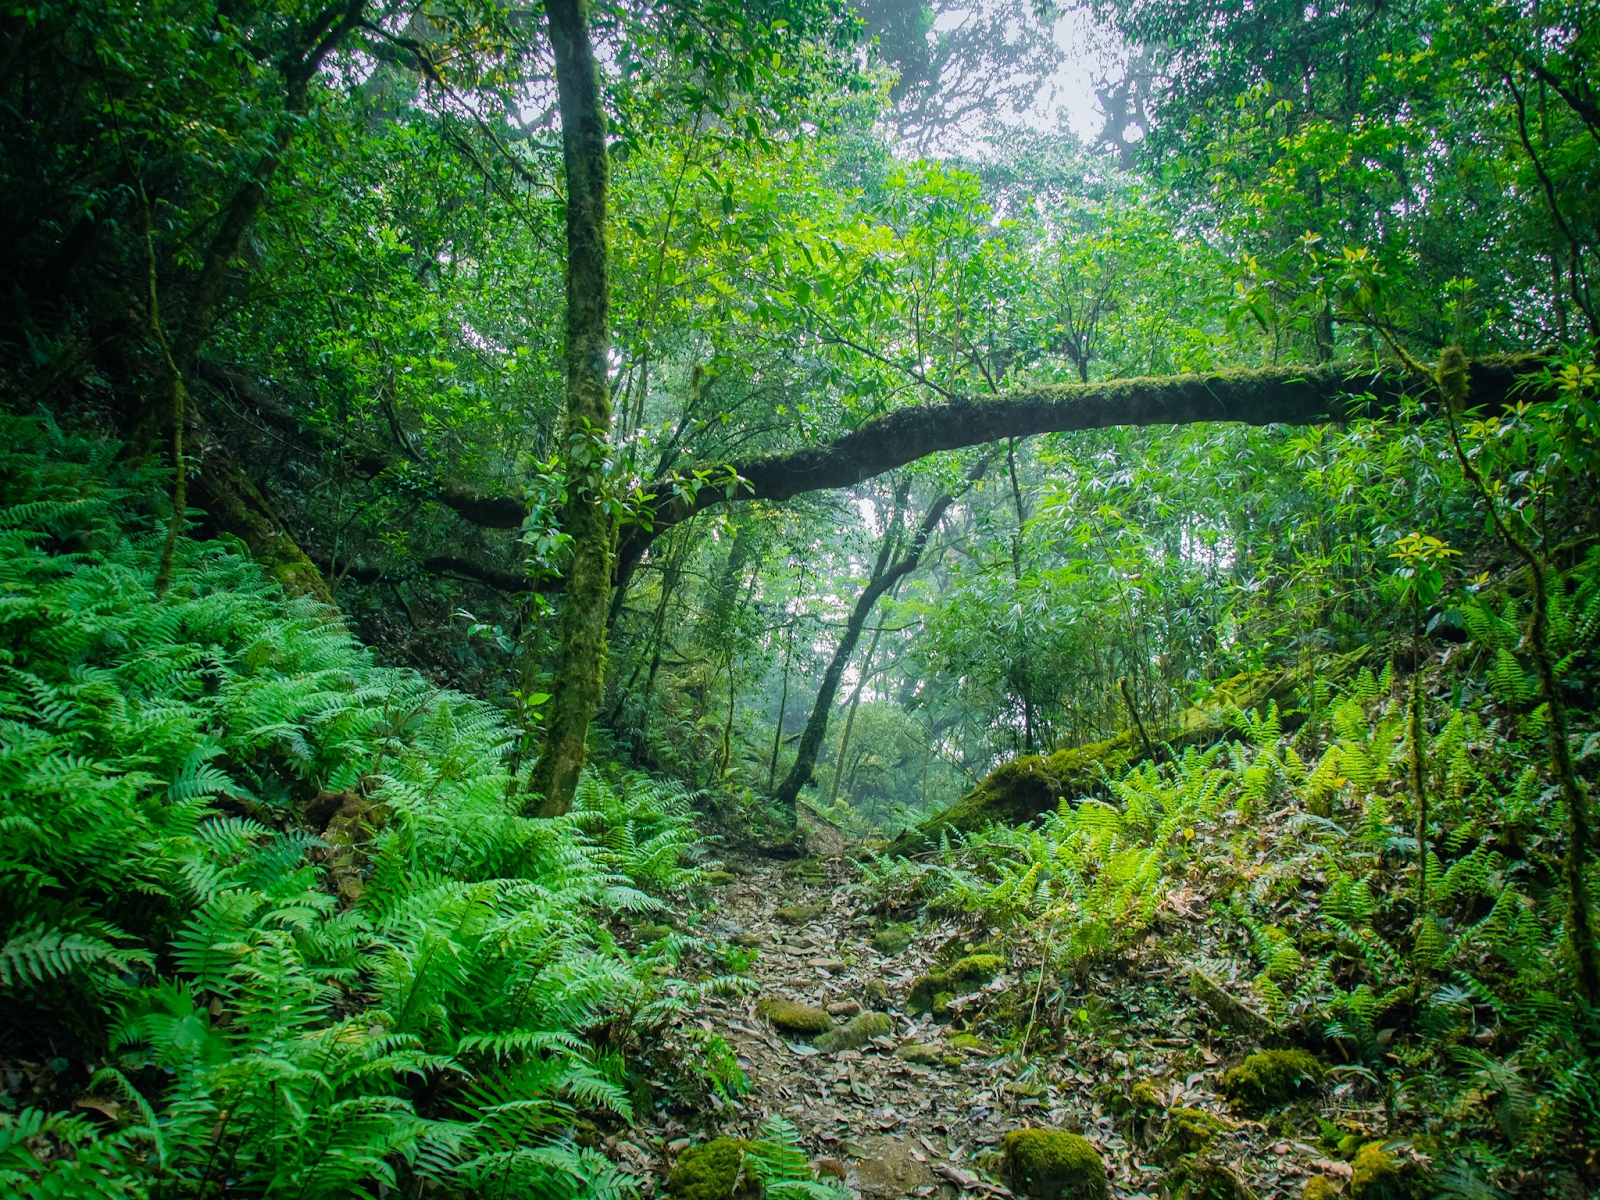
x=1278, y=395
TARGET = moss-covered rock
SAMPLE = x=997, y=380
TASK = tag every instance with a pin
x=892, y=939
x=965, y=1041
x=1232, y=1012
x=1319, y=1187
x=965, y=975
x=1208, y=1179
x=711, y=1171
x=1051, y=1164
x=788, y=1016
x=1272, y=1078
x=927, y=1054
x=1380, y=1175
x=1189, y=1131
x=857, y=1032
x=800, y=914
x=647, y=935
x=876, y=991
x=718, y=878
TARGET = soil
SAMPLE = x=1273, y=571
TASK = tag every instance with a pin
x=898, y=1127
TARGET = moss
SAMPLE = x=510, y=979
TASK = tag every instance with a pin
x=1026, y=788
x=1379, y=1175
x=718, y=878
x=1319, y=1187
x=1232, y=1012
x=646, y=935
x=966, y=975
x=856, y=1033
x=1053, y=1165
x=876, y=991
x=929, y=1055
x=787, y=1016
x=1272, y=1078
x=710, y=1171
x=1144, y=1095
x=892, y=939
x=965, y=1041
x=1207, y=1179
x=1189, y=1131
x=800, y=914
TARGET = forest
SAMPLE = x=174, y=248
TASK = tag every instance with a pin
x=800, y=599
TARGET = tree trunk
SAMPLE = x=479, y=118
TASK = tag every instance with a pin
x=883, y=579
x=580, y=664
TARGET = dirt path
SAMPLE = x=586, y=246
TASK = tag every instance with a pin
x=908, y=1113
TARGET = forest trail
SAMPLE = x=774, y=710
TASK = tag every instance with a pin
x=911, y=1114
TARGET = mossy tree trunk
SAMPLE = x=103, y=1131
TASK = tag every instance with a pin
x=580, y=662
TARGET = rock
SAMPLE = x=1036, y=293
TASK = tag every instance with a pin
x=843, y=1009
x=892, y=1170
x=718, y=878
x=831, y=965
x=1233, y=1013
x=1189, y=1131
x=929, y=1054
x=710, y=1171
x=965, y=1041
x=1208, y=1179
x=861, y=1030
x=1053, y=1165
x=747, y=940
x=1272, y=1078
x=829, y=1166
x=966, y=975
x=1379, y=1175
x=892, y=939
x=1319, y=1187
x=876, y=991
x=646, y=935
x=800, y=914
x=787, y=1016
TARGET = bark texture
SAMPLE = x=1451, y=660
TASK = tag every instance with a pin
x=1278, y=395
x=581, y=660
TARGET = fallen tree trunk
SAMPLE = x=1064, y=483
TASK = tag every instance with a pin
x=1028, y=787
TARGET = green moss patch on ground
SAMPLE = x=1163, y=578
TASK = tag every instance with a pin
x=710, y=1171
x=1051, y=1164
x=787, y=1016
x=857, y=1032
x=1271, y=1079
x=965, y=975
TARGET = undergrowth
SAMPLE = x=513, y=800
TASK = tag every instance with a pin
x=1286, y=863
x=270, y=923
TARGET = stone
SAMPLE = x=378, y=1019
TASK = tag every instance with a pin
x=892, y=939
x=860, y=1030
x=748, y=940
x=647, y=935
x=929, y=1054
x=966, y=975
x=710, y=1171
x=1231, y=1012
x=788, y=1016
x=1271, y=1079
x=876, y=991
x=965, y=1041
x=843, y=1009
x=800, y=914
x=718, y=878
x=1189, y=1131
x=891, y=1170
x=1379, y=1175
x=1051, y=1164
x=1319, y=1187
x=829, y=1166
x=1208, y=1179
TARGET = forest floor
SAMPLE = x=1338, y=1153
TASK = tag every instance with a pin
x=910, y=1114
